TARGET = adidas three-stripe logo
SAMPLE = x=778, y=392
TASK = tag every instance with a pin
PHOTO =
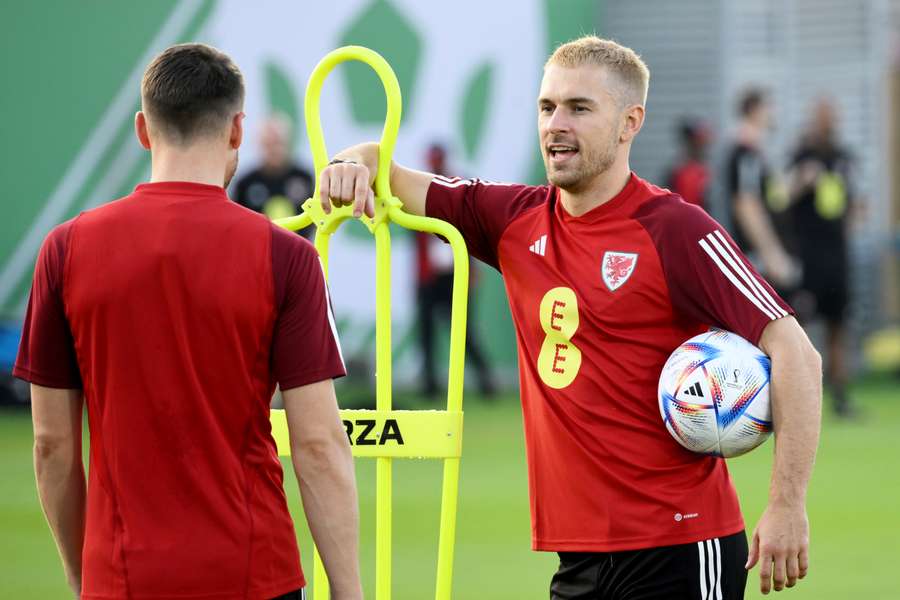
x=710, y=560
x=539, y=246
x=694, y=390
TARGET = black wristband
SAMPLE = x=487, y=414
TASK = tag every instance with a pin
x=340, y=161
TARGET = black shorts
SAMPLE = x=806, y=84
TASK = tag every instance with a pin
x=708, y=570
x=295, y=595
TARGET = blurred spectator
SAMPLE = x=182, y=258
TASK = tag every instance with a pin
x=689, y=178
x=822, y=195
x=434, y=290
x=278, y=186
x=12, y=390
x=757, y=196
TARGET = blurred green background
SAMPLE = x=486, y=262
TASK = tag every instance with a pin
x=853, y=510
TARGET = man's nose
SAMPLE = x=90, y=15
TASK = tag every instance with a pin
x=557, y=121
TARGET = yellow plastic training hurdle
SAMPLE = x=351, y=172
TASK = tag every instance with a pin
x=435, y=434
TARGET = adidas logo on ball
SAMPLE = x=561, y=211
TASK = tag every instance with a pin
x=714, y=394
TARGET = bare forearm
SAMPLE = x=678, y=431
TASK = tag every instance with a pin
x=797, y=410
x=62, y=491
x=780, y=542
x=328, y=488
x=365, y=154
x=755, y=225
x=409, y=185
x=321, y=457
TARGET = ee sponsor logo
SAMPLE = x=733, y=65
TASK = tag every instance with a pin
x=560, y=360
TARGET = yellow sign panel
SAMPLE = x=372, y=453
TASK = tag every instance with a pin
x=390, y=433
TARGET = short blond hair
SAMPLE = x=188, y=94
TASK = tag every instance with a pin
x=620, y=61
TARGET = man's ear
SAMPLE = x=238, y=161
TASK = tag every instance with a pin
x=633, y=120
x=140, y=129
x=237, y=131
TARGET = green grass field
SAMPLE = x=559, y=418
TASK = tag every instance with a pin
x=854, y=507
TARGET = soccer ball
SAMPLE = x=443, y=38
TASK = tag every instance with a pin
x=714, y=394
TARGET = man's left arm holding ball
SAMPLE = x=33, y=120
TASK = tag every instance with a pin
x=780, y=542
x=711, y=281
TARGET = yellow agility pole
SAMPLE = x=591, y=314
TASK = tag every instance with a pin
x=385, y=433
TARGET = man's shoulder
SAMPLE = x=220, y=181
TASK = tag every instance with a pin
x=103, y=212
x=56, y=243
x=60, y=233
x=288, y=245
x=669, y=216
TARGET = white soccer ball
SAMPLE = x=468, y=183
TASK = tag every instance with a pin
x=714, y=394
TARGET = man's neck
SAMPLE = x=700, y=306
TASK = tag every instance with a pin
x=601, y=190
x=194, y=165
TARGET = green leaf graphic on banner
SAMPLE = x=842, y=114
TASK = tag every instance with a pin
x=475, y=108
x=381, y=27
x=283, y=99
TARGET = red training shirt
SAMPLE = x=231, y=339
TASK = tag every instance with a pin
x=177, y=311
x=599, y=303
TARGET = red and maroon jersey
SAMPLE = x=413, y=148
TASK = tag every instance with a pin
x=599, y=303
x=177, y=311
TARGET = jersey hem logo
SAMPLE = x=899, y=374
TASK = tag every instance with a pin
x=617, y=268
x=680, y=517
x=539, y=246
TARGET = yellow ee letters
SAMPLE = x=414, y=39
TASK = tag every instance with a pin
x=560, y=359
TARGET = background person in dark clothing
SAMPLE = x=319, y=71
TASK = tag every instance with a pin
x=278, y=186
x=822, y=197
x=757, y=197
x=434, y=291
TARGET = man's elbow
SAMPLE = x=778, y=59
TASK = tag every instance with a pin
x=50, y=447
x=815, y=358
x=322, y=453
x=808, y=353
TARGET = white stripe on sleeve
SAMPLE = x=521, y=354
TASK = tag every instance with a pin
x=725, y=271
x=456, y=182
x=738, y=267
x=761, y=291
x=334, y=332
x=451, y=183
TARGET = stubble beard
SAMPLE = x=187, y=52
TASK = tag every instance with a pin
x=590, y=165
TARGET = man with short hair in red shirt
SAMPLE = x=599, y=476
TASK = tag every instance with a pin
x=606, y=275
x=172, y=314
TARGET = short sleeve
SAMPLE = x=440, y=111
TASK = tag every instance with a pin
x=305, y=345
x=47, y=350
x=481, y=210
x=748, y=173
x=708, y=277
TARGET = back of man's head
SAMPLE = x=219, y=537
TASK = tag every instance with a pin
x=623, y=63
x=191, y=92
